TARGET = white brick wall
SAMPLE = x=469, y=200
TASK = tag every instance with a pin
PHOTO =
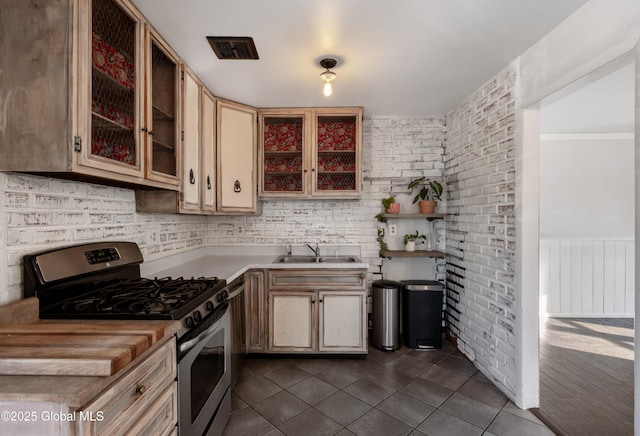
x=39, y=213
x=480, y=176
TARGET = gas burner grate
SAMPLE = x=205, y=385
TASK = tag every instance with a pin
x=141, y=296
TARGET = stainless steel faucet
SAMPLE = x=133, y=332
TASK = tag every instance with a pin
x=316, y=251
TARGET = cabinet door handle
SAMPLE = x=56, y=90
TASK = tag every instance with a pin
x=236, y=186
x=192, y=178
x=208, y=182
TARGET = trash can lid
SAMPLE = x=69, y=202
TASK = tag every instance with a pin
x=422, y=285
x=387, y=284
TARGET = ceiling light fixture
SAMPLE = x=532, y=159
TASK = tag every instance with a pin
x=328, y=75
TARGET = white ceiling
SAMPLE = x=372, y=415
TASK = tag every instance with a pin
x=402, y=57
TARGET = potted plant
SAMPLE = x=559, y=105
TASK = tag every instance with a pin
x=411, y=239
x=430, y=190
x=390, y=205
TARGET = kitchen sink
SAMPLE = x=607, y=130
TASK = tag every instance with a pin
x=295, y=259
x=313, y=259
x=339, y=259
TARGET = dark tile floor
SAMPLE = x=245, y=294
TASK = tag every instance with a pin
x=406, y=392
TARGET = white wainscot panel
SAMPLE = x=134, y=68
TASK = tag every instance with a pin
x=587, y=278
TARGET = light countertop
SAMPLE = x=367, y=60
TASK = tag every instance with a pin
x=231, y=262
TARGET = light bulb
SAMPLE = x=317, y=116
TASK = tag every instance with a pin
x=327, y=90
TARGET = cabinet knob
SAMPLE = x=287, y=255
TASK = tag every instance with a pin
x=208, y=182
x=144, y=129
x=236, y=186
x=141, y=390
x=192, y=178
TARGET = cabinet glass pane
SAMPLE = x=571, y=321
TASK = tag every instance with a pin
x=163, y=101
x=336, y=168
x=283, y=154
x=113, y=102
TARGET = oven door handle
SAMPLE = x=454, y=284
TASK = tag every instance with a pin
x=237, y=291
x=187, y=345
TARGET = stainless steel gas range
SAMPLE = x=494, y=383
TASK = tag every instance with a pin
x=102, y=281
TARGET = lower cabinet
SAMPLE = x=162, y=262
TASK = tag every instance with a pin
x=317, y=311
x=143, y=401
x=255, y=311
x=317, y=321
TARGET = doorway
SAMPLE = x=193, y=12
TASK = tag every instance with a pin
x=587, y=254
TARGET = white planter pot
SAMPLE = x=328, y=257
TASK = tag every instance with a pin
x=411, y=246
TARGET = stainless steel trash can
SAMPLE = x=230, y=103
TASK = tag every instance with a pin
x=422, y=313
x=386, y=315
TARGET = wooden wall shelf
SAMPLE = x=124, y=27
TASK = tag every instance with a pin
x=418, y=253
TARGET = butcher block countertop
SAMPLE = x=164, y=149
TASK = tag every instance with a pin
x=69, y=361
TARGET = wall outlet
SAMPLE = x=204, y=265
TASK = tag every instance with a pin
x=393, y=230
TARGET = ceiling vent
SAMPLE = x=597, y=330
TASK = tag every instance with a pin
x=233, y=47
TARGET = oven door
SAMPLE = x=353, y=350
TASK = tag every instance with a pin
x=204, y=376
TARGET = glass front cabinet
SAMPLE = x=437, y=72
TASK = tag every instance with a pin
x=133, y=96
x=310, y=153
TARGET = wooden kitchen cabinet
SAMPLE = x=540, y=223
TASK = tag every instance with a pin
x=310, y=153
x=236, y=157
x=255, y=311
x=342, y=321
x=317, y=311
x=145, y=398
x=198, y=137
x=77, y=77
x=208, y=153
x=191, y=141
x=141, y=400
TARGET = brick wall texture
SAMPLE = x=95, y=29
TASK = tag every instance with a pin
x=480, y=229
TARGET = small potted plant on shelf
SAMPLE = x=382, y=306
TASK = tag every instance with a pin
x=390, y=205
x=430, y=191
x=411, y=239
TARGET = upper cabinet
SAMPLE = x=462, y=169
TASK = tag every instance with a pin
x=191, y=141
x=91, y=93
x=162, y=141
x=236, y=157
x=310, y=153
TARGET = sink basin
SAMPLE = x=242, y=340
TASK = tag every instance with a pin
x=339, y=259
x=295, y=259
x=312, y=259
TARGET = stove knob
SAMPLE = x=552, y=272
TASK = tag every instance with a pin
x=197, y=316
x=209, y=306
x=225, y=293
x=220, y=297
x=189, y=322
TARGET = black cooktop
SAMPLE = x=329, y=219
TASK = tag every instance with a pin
x=138, y=298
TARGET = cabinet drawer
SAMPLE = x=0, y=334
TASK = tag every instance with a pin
x=317, y=279
x=160, y=418
x=129, y=397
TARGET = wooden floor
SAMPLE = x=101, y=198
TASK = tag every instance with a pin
x=586, y=376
